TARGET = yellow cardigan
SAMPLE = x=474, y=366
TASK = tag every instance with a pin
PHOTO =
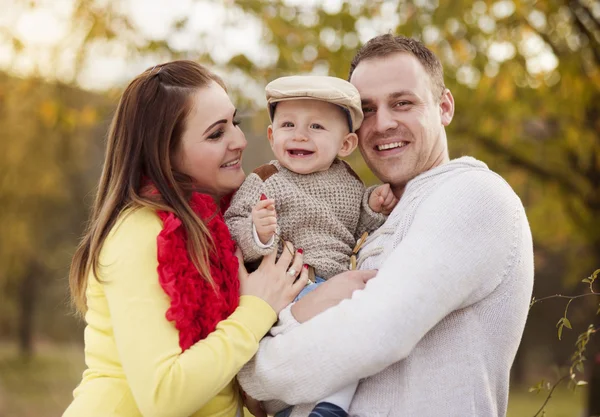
x=135, y=366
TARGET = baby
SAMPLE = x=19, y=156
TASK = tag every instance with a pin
x=309, y=196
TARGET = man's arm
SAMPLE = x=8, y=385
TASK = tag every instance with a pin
x=465, y=238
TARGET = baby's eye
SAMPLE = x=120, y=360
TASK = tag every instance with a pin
x=316, y=126
x=287, y=124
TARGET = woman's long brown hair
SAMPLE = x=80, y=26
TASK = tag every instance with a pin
x=145, y=130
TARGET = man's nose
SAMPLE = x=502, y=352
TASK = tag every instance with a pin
x=385, y=120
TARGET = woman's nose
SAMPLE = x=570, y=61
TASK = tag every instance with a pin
x=239, y=142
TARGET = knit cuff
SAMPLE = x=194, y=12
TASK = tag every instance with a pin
x=286, y=322
x=369, y=219
x=261, y=245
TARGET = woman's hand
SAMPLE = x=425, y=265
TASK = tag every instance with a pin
x=275, y=281
x=330, y=293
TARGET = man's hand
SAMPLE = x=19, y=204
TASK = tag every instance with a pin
x=254, y=406
x=264, y=218
x=382, y=200
x=330, y=293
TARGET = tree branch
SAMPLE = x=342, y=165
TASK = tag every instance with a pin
x=576, y=9
x=512, y=157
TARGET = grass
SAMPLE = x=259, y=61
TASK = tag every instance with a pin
x=564, y=402
x=43, y=386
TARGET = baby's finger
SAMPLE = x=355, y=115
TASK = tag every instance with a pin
x=263, y=204
x=389, y=199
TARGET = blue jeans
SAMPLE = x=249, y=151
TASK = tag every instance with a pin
x=310, y=287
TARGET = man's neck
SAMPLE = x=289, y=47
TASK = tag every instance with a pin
x=441, y=159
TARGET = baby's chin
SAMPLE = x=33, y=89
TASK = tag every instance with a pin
x=304, y=169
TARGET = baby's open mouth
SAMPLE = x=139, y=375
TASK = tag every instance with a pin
x=299, y=152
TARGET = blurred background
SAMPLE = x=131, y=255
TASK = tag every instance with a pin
x=526, y=80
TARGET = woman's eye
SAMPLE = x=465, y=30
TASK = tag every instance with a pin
x=287, y=124
x=216, y=135
x=316, y=126
x=368, y=110
x=237, y=122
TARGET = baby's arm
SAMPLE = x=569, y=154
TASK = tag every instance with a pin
x=239, y=219
x=370, y=219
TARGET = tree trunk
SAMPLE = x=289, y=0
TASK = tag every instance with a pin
x=27, y=297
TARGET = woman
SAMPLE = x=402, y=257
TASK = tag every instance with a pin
x=169, y=323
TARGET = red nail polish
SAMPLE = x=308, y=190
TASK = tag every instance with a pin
x=305, y=266
x=300, y=251
x=263, y=197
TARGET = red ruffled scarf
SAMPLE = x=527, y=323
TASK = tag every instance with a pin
x=196, y=308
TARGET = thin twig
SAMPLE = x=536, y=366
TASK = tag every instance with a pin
x=569, y=297
x=556, y=384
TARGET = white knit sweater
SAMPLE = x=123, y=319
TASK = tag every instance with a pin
x=436, y=331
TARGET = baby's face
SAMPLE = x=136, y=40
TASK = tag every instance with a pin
x=307, y=135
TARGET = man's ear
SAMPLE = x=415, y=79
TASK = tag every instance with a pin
x=270, y=135
x=446, y=107
x=348, y=145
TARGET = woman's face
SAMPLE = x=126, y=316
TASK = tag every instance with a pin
x=211, y=147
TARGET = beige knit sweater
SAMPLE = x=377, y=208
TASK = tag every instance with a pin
x=324, y=213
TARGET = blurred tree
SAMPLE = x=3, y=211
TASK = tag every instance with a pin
x=46, y=156
x=525, y=75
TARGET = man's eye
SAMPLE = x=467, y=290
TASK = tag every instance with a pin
x=402, y=104
x=316, y=126
x=368, y=110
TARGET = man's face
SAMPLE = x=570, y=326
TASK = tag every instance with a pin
x=403, y=133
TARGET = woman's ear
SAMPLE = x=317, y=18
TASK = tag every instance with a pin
x=270, y=135
x=348, y=145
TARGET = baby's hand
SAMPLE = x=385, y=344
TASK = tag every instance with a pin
x=264, y=218
x=382, y=200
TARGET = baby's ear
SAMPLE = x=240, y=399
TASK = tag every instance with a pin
x=270, y=135
x=348, y=145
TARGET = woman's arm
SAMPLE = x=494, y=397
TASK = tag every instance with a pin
x=165, y=381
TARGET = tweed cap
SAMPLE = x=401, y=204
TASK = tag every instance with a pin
x=317, y=87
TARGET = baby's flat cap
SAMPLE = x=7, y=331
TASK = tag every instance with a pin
x=317, y=87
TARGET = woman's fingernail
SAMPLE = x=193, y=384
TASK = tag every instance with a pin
x=305, y=266
x=263, y=197
x=300, y=251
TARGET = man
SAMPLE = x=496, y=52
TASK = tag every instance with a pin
x=436, y=331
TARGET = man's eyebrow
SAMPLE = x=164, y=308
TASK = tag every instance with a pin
x=219, y=122
x=396, y=94
x=401, y=93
